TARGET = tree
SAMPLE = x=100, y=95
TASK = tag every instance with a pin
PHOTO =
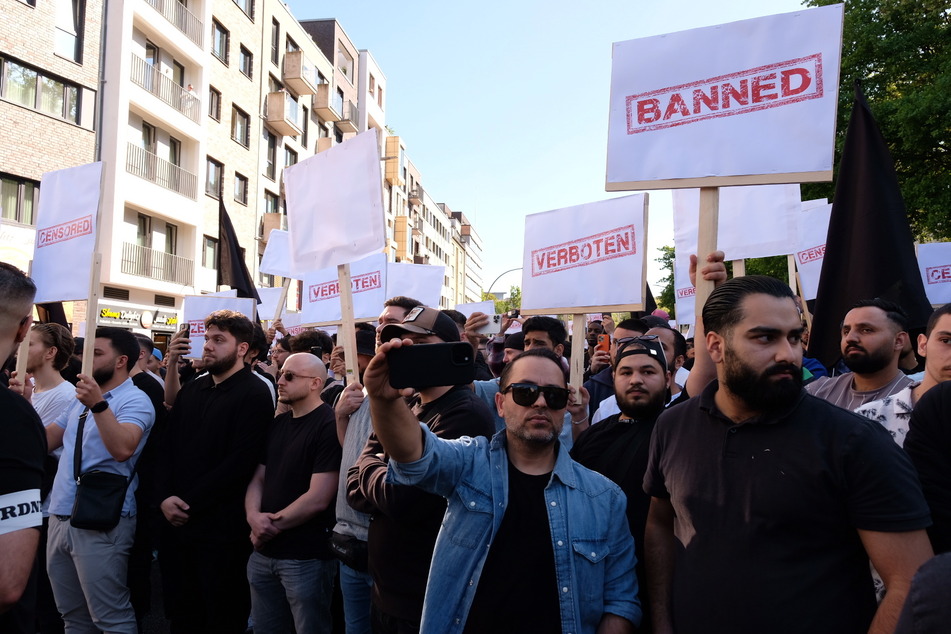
x=512, y=302
x=901, y=52
x=666, y=298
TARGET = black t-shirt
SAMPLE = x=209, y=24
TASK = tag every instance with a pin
x=518, y=591
x=929, y=445
x=145, y=468
x=22, y=454
x=297, y=448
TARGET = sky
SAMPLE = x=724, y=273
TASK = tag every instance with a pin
x=503, y=106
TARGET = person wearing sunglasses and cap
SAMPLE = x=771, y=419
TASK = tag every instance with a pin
x=531, y=540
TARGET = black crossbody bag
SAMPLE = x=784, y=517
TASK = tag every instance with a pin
x=99, y=494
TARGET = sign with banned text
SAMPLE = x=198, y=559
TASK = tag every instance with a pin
x=581, y=258
x=321, y=299
x=753, y=101
x=196, y=307
x=811, y=249
x=419, y=281
x=66, y=233
x=934, y=261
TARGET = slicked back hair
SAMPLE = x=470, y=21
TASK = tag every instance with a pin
x=403, y=302
x=56, y=336
x=895, y=313
x=723, y=309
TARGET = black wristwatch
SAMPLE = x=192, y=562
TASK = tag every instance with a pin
x=99, y=407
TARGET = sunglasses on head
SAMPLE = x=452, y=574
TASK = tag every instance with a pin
x=290, y=376
x=525, y=394
x=626, y=341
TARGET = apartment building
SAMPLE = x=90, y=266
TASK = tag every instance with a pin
x=471, y=289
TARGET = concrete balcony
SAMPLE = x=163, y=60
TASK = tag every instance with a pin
x=299, y=74
x=325, y=103
x=283, y=113
x=348, y=118
x=415, y=195
x=152, y=80
x=149, y=166
x=157, y=265
x=324, y=143
x=271, y=221
x=183, y=19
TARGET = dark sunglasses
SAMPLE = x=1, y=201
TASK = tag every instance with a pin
x=525, y=394
x=290, y=376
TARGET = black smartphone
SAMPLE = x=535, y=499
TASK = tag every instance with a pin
x=431, y=364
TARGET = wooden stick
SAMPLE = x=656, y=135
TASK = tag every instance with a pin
x=281, y=302
x=92, y=307
x=579, y=330
x=706, y=240
x=805, y=307
x=791, y=271
x=347, y=335
x=739, y=268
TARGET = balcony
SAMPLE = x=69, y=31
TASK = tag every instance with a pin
x=152, y=80
x=149, y=166
x=157, y=265
x=416, y=195
x=348, y=117
x=271, y=221
x=393, y=162
x=418, y=228
x=420, y=259
x=299, y=74
x=283, y=113
x=324, y=143
x=183, y=19
x=326, y=103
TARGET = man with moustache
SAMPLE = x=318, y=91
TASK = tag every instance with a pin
x=874, y=333
x=213, y=441
x=617, y=447
x=767, y=503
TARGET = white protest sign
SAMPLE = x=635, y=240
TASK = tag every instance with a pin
x=196, y=307
x=934, y=261
x=292, y=324
x=321, y=299
x=487, y=307
x=753, y=101
x=229, y=293
x=277, y=256
x=813, y=229
x=419, y=281
x=583, y=258
x=66, y=233
x=686, y=218
x=337, y=196
x=270, y=297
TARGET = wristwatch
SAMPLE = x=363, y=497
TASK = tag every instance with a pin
x=99, y=407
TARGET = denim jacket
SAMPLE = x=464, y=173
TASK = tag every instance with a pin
x=594, y=550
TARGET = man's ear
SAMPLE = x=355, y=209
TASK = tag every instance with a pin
x=715, y=346
x=243, y=349
x=679, y=362
x=24, y=328
x=559, y=349
x=499, y=399
x=901, y=339
x=923, y=345
x=670, y=379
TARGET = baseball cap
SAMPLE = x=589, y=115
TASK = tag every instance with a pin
x=425, y=321
x=157, y=353
x=645, y=344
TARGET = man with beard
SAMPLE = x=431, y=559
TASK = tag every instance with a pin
x=874, y=333
x=289, y=506
x=214, y=436
x=110, y=420
x=768, y=503
x=617, y=446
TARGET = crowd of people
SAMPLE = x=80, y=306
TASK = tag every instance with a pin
x=722, y=483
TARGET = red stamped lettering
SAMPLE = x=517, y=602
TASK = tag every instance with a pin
x=758, y=88
x=358, y=283
x=690, y=291
x=65, y=231
x=616, y=243
x=811, y=255
x=938, y=274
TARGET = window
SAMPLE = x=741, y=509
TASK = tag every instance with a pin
x=67, y=38
x=344, y=62
x=271, y=203
x=17, y=198
x=273, y=85
x=247, y=6
x=291, y=45
x=219, y=41
x=213, y=178
x=214, y=103
x=275, y=41
x=246, y=62
x=240, y=126
x=209, y=253
x=32, y=89
x=241, y=188
x=174, y=151
x=143, y=231
x=271, y=170
x=171, y=238
x=305, y=121
x=372, y=89
x=379, y=97
x=290, y=157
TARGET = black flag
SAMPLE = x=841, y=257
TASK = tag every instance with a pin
x=870, y=251
x=231, y=267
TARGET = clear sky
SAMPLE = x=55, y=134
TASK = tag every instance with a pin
x=503, y=106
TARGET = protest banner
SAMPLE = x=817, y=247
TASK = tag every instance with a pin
x=421, y=281
x=322, y=301
x=196, y=307
x=811, y=246
x=585, y=259
x=934, y=262
x=272, y=300
x=276, y=259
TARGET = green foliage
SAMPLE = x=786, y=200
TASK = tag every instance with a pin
x=775, y=266
x=665, y=298
x=513, y=301
x=901, y=52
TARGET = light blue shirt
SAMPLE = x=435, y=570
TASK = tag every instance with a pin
x=593, y=547
x=130, y=405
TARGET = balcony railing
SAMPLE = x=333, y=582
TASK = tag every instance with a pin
x=152, y=79
x=348, y=117
x=158, y=265
x=149, y=166
x=183, y=19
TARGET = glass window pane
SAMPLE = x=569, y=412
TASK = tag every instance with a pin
x=72, y=104
x=8, y=199
x=21, y=84
x=51, y=96
x=29, y=193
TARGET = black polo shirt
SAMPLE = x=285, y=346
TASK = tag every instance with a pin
x=767, y=512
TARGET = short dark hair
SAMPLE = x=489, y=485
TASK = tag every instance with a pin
x=534, y=352
x=455, y=315
x=361, y=325
x=235, y=323
x=403, y=302
x=680, y=344
x=145, y=342
x=723, y=309
x=935, y=316
x=122, y=341
x=56, y=336
x=17, y=291
x=893, y=311
x=258, y=342
x=540, y=323
x=285, y=342
x=308, y=339
x=637, y=325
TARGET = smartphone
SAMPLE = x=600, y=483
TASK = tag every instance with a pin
x=604, y=343
x=431, y=364
x=491, y=328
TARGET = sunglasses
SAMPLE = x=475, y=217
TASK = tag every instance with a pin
x=290, y=376
x=525, y=394
x=626, y=341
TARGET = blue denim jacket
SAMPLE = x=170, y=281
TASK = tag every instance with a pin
x=594, y=550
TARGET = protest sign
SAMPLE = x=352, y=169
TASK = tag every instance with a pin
x=420, y=281
x=66, y=225
x=586, y=258
x=270, y=301
x=196, y=307
x=685, y=244
x=277, y=256
x=487, y=307
x=749, y=102
x=338, y=196
x=811, y=247
x=321, y=302
x=934, y=261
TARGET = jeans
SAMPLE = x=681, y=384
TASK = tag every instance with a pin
x=355, y=586
x=285, y=589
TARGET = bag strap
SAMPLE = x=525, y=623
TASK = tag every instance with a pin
x=78, y=451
